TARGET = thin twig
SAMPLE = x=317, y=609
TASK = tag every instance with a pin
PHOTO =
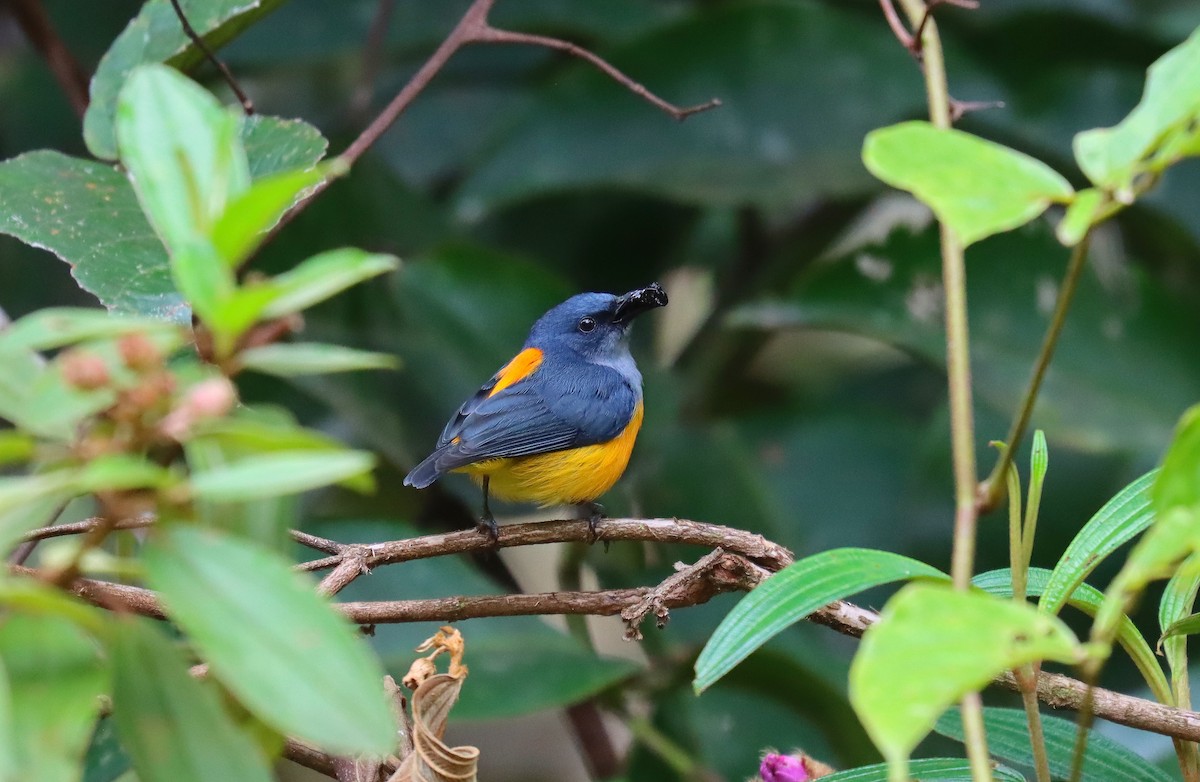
x=226, y=74
x=991, y=490
x=40, y=31
x=474, y=27
x=372, y=55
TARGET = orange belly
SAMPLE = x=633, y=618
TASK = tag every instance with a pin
x=560, y=477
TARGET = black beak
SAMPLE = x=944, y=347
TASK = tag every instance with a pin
x=636, y=302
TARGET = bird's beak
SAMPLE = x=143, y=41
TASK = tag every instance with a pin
x=636, y=302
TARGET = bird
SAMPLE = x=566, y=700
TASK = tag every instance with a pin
x=555, y=425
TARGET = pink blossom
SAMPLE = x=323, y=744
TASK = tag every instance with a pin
x=782, y=768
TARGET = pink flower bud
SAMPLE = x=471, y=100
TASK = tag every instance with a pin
x=84, y=371
x=211, y=398
x=782, y=768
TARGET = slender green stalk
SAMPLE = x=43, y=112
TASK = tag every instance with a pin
x=958, y=369
x=1026, y=675
x=653, y=739
x=993, y=486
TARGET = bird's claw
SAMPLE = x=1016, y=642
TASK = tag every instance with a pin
x=487, y=525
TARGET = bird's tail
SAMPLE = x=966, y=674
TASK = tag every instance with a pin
x=424, y=473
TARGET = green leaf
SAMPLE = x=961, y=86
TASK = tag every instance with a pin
x=275, y=145
x=26, y=500
x=56, y=678
x=121, y=472
x=245, y=222
x=286, y=654
x=976, y=187
x=208, y=287
x=155, y=36
x=1090, y=207
x=312, y=358
x=1173, y=536
x=1119, y=521
x=1174, y=608
x=323, y=276
x=927, y=770
x=173, y=726
x=932, y=645
x=56, y=327
x=9, y=768
x=279, y=473
x=106, y=759
x=1087, y=599
x=1179, y=481
x=87, y=214
x=792, y=594
x=183, y=152
x=15, y=447
x=1008, y=738
x=1160, y=129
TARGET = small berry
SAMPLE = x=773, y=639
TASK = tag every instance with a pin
x=84, y=371
x=139, y=353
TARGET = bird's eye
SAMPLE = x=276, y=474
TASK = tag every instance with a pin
x=587, y=324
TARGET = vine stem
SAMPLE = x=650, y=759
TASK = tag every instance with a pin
x=958, y=370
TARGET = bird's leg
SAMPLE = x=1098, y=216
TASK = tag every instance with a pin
x=487, y=523
x=595, y=512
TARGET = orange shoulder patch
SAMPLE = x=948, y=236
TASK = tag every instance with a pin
x=522, y=366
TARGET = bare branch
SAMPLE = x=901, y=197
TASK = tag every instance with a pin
x=40, y=31
x=226, y=74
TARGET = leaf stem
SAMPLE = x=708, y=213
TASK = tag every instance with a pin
x=958, y=370
x=991, y=489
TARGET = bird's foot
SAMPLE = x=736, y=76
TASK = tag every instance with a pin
x=595, y=514
x=487, y=525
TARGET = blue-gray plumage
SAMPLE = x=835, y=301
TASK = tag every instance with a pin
x=573, y=385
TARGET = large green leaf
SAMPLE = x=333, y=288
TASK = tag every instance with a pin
x=173, y=726
x=184, y=155
x=86, y=213
x=1178, y=483
x=1008, y=738
x=279, y=473
x=1121, y=518
x=156, y=36
x=56, y=678
x=927, y=770
x=891, y=291
x=779, y=68
x=1159, y=131
x=976, y=187
x=792, y=594
x=1087, y=599
x=285, y=653
x=932, y=645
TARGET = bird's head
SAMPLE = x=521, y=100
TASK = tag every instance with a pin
x=595, y=325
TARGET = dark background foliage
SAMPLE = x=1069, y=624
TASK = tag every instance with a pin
x=794, y=386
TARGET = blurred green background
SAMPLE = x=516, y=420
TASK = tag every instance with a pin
x=795, y=384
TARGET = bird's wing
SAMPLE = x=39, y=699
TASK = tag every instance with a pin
x=565, y=408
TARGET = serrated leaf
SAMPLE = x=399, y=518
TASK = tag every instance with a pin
x=1087, y=599
x=976, y=187
x=926, y=770
x=286, y=654
x=1008, y=738
x=156, y=36
x=792, y=594
x=1119, y=521
x=87, y=214
x=173, y=726
x=323, y=276
x=56, y=678
x=932, y=645
x=1160, y=129
x=312, y=358
x=183, y=152
x=278, y=474
x=276, y=144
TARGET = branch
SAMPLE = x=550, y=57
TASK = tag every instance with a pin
x=226, y=74
x=40, y=31
x=472, y=28
x=753, y=547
